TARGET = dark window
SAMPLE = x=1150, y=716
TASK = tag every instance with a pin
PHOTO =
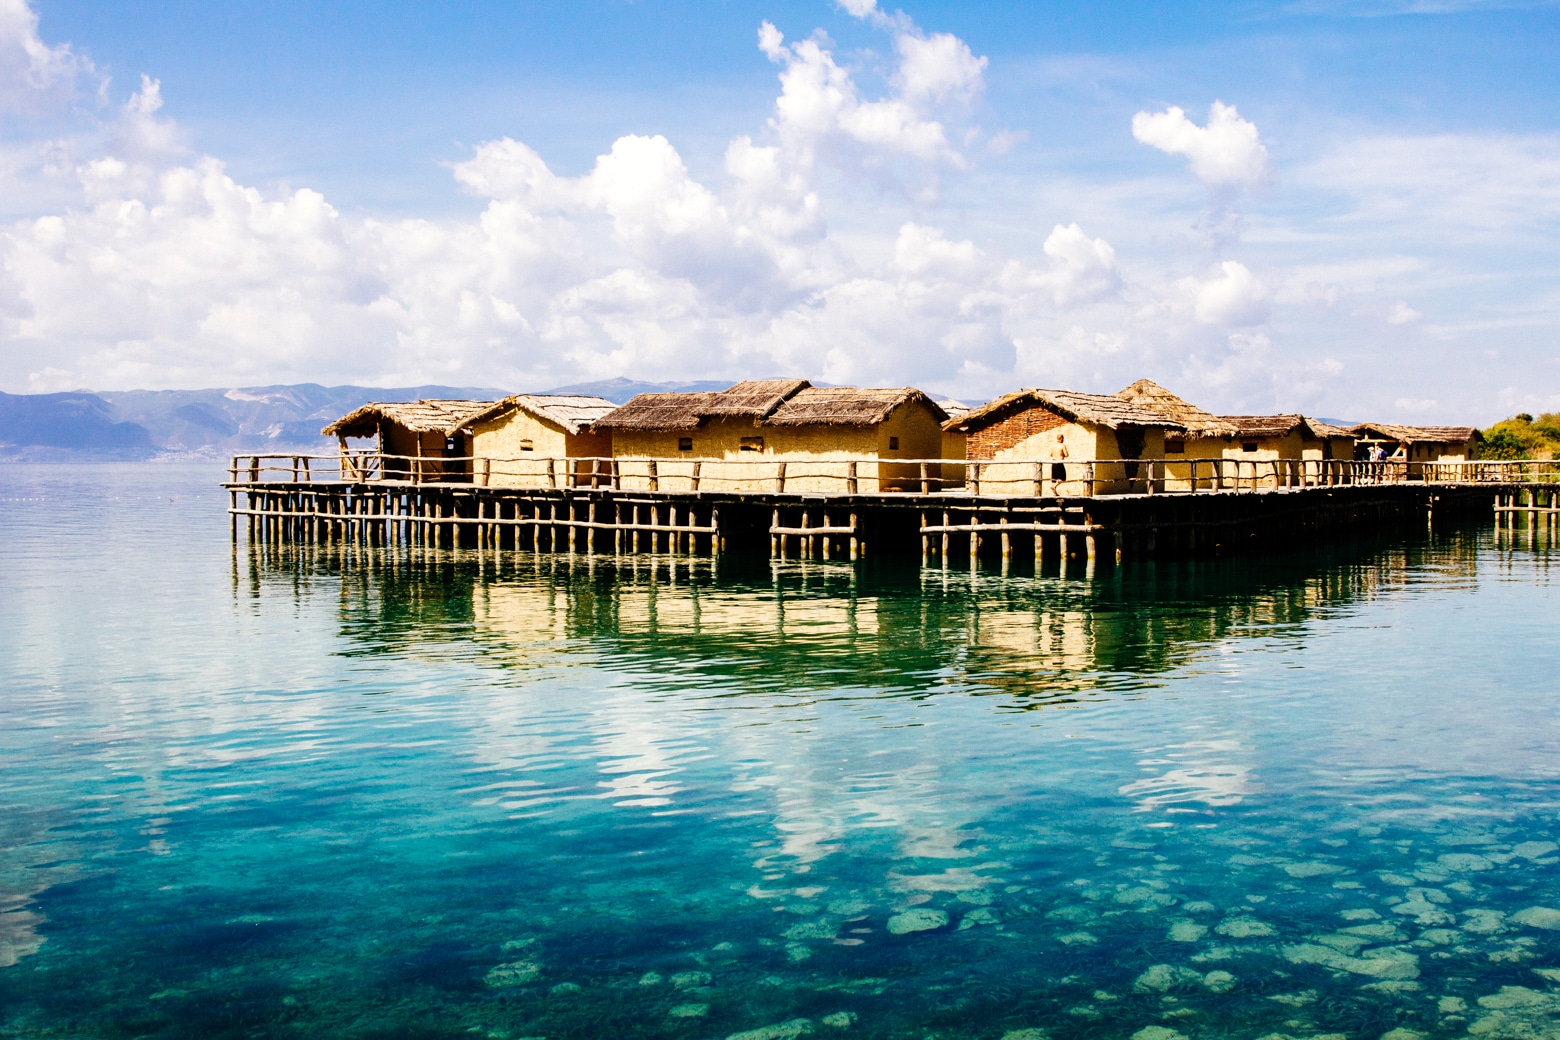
x=893, y=444
x=1248, y=446
x=525, y=445
x=1175, y=446
x=752, y=444
x=685, y=444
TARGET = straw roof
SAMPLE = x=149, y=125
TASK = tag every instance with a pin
x=1146, y=393
x=659, y=411
x=572, y=412
x=1263, y=425
x=754, y=398
x=417, y=416
x=1320, y=429
x=1099, y=409
x=847, y=406
x=1415, y=434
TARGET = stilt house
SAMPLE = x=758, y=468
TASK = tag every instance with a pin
x=540, y=440
x=1418, y=443
x=1069, y=443
x=777, y=434
x=419, y=440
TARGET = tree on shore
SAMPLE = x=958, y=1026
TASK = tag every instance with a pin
x=1522, y=437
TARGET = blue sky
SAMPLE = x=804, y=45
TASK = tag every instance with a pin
x=970, y=198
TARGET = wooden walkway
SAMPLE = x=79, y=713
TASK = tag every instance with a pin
x=940, y=526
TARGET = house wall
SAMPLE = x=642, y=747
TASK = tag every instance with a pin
x=397, y=440
x=953, y=447
x=817, y=458
x=499, y=444
x=1010, y=447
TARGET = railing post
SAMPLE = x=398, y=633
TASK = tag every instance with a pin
x=696, y=467
x=851, y=477
x=926, y=483
x=655, y=477
x=1038, y=478
x=780, y=480
x=974, y=478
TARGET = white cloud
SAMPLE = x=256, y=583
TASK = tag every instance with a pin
x=34, y=77
x=1401, y=313
x=938, y=68
x=1227, y=153
x=1232, y=296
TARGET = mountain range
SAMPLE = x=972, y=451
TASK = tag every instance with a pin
x=84, y=425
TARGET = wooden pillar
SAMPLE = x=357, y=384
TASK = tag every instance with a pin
x=945, y=536
x=1007, y=539
x=774, y=538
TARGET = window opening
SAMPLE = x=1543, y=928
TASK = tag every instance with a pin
x=685, y=444
x=893, y=444
x=525, y=445
x=1248, y=446
x=1175, y=446
x=752, y=444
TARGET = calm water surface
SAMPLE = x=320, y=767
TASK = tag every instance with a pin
x=316, y=795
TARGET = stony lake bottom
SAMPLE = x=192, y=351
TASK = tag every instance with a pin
x=315, y=793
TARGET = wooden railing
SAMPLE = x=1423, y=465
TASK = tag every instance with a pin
x=1039, y=478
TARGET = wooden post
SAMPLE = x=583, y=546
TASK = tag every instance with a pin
x=774, y=537
x=926, y=540
x=974, y=539
x=781, y=480
x=974, y=478
x=857, y=544
x=1038, y=478
x=945, y=537
x=655, y=485
x=827, y=549
x=552, y=473
x=926, y=482
x=696, y=466
x=851, y=477
x=804, y=541
x=1007, y=539
x=715, y=538
x=617, y=528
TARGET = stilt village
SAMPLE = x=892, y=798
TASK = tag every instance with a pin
x=840, y=472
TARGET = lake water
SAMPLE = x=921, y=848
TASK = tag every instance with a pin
x=444, y=795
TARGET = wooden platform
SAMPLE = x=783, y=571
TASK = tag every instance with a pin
x=939, y=526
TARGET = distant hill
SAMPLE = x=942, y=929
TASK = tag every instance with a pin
x=145, y=424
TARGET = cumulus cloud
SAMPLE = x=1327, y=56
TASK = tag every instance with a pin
x=1226, y=153
x=1401, y=313
x=34, y=77
x=1231, y=296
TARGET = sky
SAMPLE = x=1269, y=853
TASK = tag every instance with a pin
x=1346, y=208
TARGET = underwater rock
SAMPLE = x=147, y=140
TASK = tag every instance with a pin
x=839, y=1020
x=1538, y=917
x=1423, y=912
x=1032, y=1033
x=690, y=979
x=1534, y=849
x=1307, y=870
x=849, y=907
x=1158, y=1033
x=1349, y=944
x=1244, y=928
x=980, y=915
x=917, y=919
x=1396, y=987
x=1300, y=999
x=1219, y=981
x=975, y=896
x=1551, y=974
x=514, y=973
x=1187, y=931
x=689, y=1011
x=1078, y=938
x=798, y=952
x=1402, y=1034
x=780, y=1031
x=1520, y=997
x=1451, y=1005
x=566, y=989
x=823, y=928
x=1389, y=963
x=1075, y=914
x=1200, y=906
x=1360, y=914
x=19, y=936
x=1145, y=898
x=1463, y=861
x=1161, y=978
x=1384, y=932
x=1484, y=922
x=1439, y=936
x=650, y=978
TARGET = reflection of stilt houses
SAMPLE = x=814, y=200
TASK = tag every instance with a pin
x=1419, y=443
x=1084, y=443
x=424, y=436
x=540, y=440
x=775, y=434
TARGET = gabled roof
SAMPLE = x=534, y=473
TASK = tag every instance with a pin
x=658, y=412
x=417, y=416
x=1319, y=429
x=847, y=406
x=1415, y=434
x=1263, y=425
x=1099, y=409
x=754, y=398
x=572, y=412
x=1146, y=393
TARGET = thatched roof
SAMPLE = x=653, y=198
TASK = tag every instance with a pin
x=417, y=416
x=1146, y=393
x=1099, y=409
x=754, y=398
x=572, y=412
x=1320, y=429
x=1413, y=434
x=658, y=412
x=1263, y=425
x=847, y=406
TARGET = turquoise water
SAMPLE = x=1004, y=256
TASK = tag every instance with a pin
x=445, y=795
